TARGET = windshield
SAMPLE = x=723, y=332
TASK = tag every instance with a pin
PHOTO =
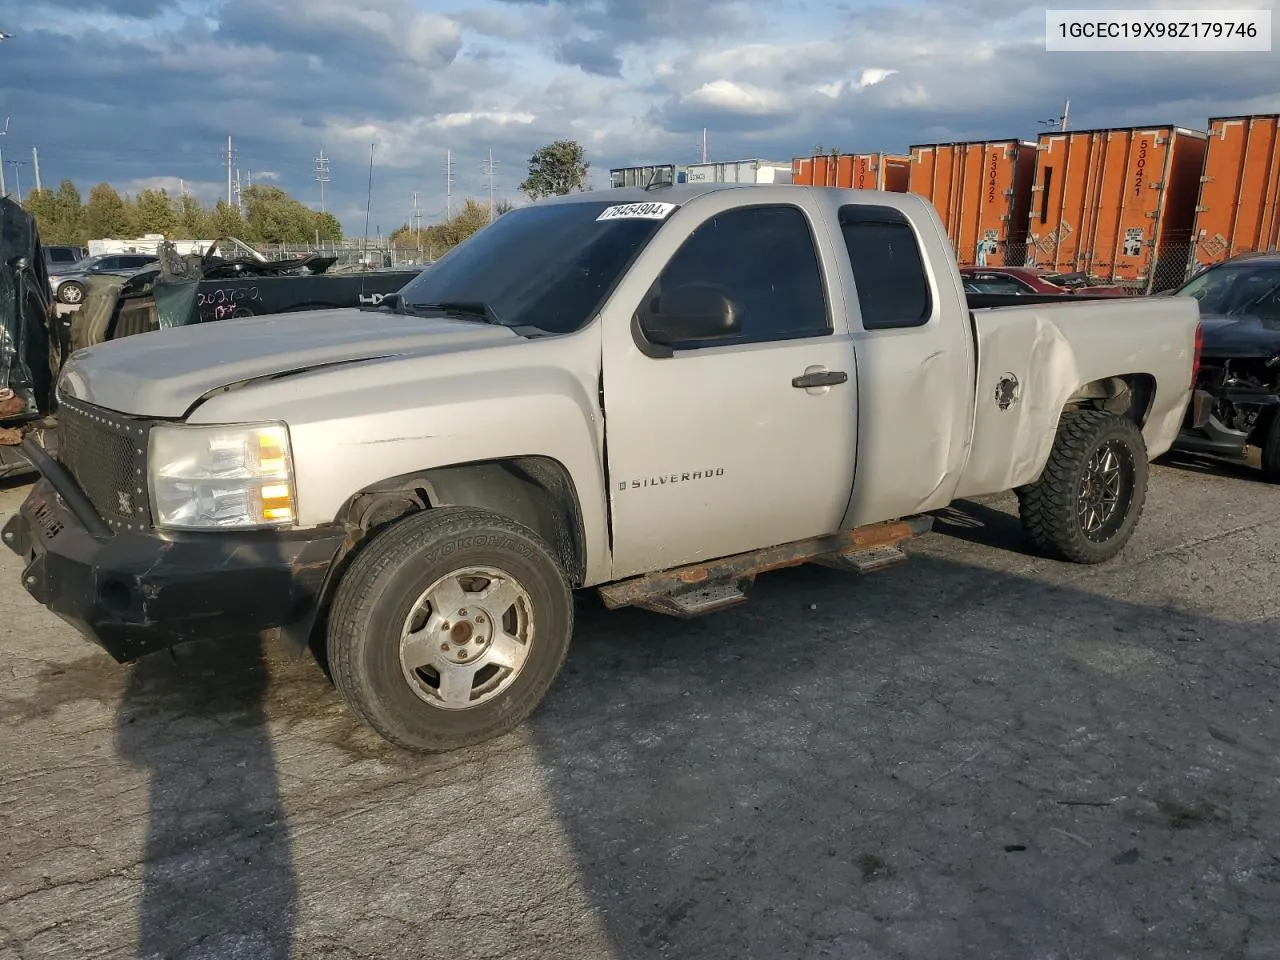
x=548, y=267
x=1237, y=289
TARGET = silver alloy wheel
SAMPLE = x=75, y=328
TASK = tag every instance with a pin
x=467, y=638
x=1101, y=491
x=70, y=293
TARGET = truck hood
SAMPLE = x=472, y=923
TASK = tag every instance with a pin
x=1235, y=336
x=161, y=374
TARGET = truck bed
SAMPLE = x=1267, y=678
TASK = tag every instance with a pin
x=1065, y=345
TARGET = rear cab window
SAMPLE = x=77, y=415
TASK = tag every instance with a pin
x=888, y=267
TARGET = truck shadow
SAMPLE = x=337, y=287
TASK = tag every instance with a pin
x=982, y=524
x=920, y=763
x=218, y=878
x=1209, y=466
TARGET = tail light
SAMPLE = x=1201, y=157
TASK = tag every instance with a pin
x=1195, y=355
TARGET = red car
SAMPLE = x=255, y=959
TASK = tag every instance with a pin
x=1015, y=280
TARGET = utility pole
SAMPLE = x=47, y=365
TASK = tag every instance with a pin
x=239, y=196
x=322, y=175
x=704, y=144
x=417, y=223
x=17, y=175
x=490, y=170
x=230, y=154
x=3, y=191
x=1059, y=122
x=35, y=162
x=448, y=184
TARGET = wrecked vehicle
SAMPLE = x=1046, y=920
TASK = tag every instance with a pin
x=659, y=395
x=1237, y=391
x=229, y=280
x=29, y=355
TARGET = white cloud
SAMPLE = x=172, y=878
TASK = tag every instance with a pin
x=736, y=97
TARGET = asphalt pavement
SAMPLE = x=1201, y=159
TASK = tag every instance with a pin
x=978, y=753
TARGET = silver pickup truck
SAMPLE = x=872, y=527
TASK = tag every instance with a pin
x=655, y=393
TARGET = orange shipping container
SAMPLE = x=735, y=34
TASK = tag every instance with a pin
x=1117, y=204
x=860, y=171
x=982, y=192
x=1239, y=209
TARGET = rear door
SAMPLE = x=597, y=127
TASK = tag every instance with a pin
x=913, y=341
x=720, y=447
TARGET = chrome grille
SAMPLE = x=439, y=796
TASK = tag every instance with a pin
x=106, y=454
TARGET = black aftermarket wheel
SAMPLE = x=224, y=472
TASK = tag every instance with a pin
x=449, y=628
x=1085, y=504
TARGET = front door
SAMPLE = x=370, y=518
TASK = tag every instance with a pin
x=723, y=446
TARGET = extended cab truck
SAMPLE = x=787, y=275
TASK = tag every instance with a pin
x=656, y=393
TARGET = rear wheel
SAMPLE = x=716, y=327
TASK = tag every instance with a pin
x=1086, y=503
x=449, y=628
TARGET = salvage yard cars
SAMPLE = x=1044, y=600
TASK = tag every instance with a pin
x=661, y=394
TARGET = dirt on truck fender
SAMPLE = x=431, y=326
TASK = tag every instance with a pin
x=662, y=395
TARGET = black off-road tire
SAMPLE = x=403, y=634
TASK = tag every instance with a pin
x=378, y=592
x=1048, y=506
x=1271, y=450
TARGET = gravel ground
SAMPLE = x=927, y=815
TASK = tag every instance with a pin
x=975, y=754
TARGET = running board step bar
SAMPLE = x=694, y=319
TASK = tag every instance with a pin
x=703, y=588
x=864, y=561
x=696, y=602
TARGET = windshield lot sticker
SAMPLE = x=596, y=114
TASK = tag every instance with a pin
x=643, y=211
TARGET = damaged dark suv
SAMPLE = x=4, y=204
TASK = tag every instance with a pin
x=1237, y=391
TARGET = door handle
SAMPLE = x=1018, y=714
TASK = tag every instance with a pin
x=819, y=378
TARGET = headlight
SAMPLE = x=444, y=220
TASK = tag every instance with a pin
x=233, y=475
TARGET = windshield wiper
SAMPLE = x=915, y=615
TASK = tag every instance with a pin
x=476, y=309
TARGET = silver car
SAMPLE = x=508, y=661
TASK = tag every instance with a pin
x=70, y=285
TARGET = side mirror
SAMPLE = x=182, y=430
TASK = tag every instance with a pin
x=690, y=312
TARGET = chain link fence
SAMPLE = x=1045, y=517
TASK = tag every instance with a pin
x=1174, y=263
x=350, y=253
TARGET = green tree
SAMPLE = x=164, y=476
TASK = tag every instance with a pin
x=327, y=226
x=43, y=205
x=272, y=216
x=107, y=216
x=69, y=214
x=155, y=213
x=193, y=219
x=556, y=169
x=225, y=221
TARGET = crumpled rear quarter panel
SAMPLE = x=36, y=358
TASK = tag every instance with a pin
x=1051, y=350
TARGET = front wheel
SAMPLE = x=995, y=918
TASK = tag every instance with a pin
x=449, y=628
x=71, y=292
x=1086, y=503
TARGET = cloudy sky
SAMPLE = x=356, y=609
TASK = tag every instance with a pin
x=144, y=92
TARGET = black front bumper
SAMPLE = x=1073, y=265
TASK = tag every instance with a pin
x=136, y=593
x=1203, y=433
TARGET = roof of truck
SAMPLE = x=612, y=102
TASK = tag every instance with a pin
x=682, y=193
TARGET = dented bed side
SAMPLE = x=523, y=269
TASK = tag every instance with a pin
x=1035, y=361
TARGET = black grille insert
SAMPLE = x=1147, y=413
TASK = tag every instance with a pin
x=106, y=454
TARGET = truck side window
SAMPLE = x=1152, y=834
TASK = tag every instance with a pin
x=893, y=289
x=764, y=259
